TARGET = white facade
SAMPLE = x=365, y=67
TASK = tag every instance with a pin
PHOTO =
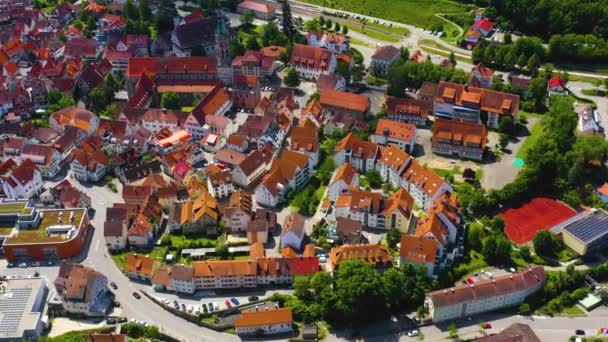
x=314, y=73
x=182, y=286
x=404, y=145
x=265, y=329
x=117, y=242
x=221, y=190
x=225, y=282
x=14, y=189
x=422, y=198
x=97, y=303
x=264, y=197
x=237, y=221
x=83, y=174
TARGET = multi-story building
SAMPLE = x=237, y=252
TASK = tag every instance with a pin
x=293, y=232
x=156, y=119
x=415, y=112
x=115, y=229
x=398, y=210
x=264, y=322
x=195, y=216
x=76, y=117
x=88, y=166
x=334, y=42
x=48, y=160
x=586, y=232
x=310, y=61
x=484, y=296
x=225, y=274
x=423, y=184
x=251, y=168
x=476, y=105
x=238, y=213
x=246, y=92
x=140, y=267
x=359, y=153
x=396, y=133
x=304, y=139
x=182, y=279
x=82, y=290
x=360, y=205
x=481, y=76
x=260, y=11
x=459, y=139
x=383, y=59
x=220, y=184
x=288, y=172
x=23, y=182
x=43, y=234
x=419, y=251
x=344, y=177
x=339, y=102
x=22, y=308
x=253, y=63
x=391, y=163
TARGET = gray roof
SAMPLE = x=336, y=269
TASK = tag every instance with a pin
x=590, y=226
x=19, y=310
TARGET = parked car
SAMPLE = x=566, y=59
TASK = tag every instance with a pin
x=227, y=302
x=10, y=265
x=204, y=306
x=116, y=304
x=216, y=306
x=253, y=298
x=50, y=263
x=122, y=319
x=413, y=333
x=111, y=320
x=487, y=325
x=234, y=301
x=36, y=264
x=23, y=265
x=580, y=332
x=183, y=306
x=136, y=295
x=211, y=308
x=113, y=285
x=197, y=309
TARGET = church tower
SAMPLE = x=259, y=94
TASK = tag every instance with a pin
x=223, y=36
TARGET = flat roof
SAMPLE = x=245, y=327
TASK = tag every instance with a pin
x=17, y=306
x=17, y=207
x=48, y=218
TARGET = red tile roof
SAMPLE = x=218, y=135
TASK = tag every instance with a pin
x=264, y=317
x=311, y=57
x=344, y=100
x=170, y=65
x=256, y=7
x=396, y=130
x=418, y=249
x=460, y=133
x=478, y=98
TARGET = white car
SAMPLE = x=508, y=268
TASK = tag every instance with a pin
x=197, y=309
x=190, y=308
x=413, y=333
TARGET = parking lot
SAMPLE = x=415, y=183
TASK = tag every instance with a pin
x=484, y=274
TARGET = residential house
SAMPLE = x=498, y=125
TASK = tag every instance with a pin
x=246, y=92
x=220, y=183
x=304, y=140
x=260, y=11
x=82, y=290
x=312, y=112
x=140, y=267
x=471, y=104
x=336, y=102
x=459, y=139
x=344, y=177
x=483, y=26
x=419, y=251
x=115, y=229
x=261, y=225
x=471, y=39
x=383, y=59
x=331, y=82
x=359, y=153
x=195, y=216
x=23, y=182
x=293, y=231
x=141, y=233
x=398, y=210
x=224, y=274
x=229, y=158
x=237, y=143
x=288, y=172
x=485, y=295
x=412, y=111
x=251, y=168
x=156, y=119
x=402, y=135
x=76, y=117
x=47, y=159
x=423, y=184
x=348, y=232
x=182, y=279
x=238, y=213
x=310, y=61
x=88, y=165
x=481, y=76
x=374, y=254
x=360, y=205
x=334, y=42
x=556, y=86
x=82, y=49
x=264, y=322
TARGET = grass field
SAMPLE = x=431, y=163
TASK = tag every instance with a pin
x=535, y=133
x=594, y=92
x=373, y=34
x=156, y=252
x=443, y=53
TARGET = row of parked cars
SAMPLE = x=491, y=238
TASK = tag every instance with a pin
x=33, y=264
x=206, y=307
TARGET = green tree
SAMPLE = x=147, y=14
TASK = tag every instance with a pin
x=524, y=251
x=393, y=237
x=343, y=69
x=453, y=60
x=345, y=30
x=358, y=287
x=98, y=99
x=357, y=73
x=328, y=23
x=292, y=79
x=497, y=249
x=222, y=251
x=474, y=236
x=170, y=100
x=374, y=178
x=545, y=243
x=236, y=48
x=452, y=331
x=503, y=140
x=510, y=59
x=247, y=18
x=288, y=27
x=534, y=63
x=313, y=25
x=506, y=125
x=337, y=26
x=301, y=286
x=252, y=44
x=394, y=284
x=522, y=61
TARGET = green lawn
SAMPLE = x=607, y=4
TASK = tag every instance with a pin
x=245, y=32
x=373, y=34
x=443, y=53
x=566, y=254
x=530, y=141
x=355, y=41
x=5, y=230
x=573, y=310
x=593, y=92
x=419, y=13
x=473, y=262
x=402, y=31
x=187, y=241
x=156, y=252
x=444, y=173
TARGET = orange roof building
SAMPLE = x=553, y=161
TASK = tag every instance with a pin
x=419, y=251
x=342, y=102
x=76, y=117
x=140, y=267
x=264, y=322
x=376, y=255
x=311, y=61
x=390, y=132
x=460, y=139
x=475, y=100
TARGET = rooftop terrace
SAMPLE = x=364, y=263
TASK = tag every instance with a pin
x=49, y=218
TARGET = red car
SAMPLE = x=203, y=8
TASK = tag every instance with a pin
x=221, y=165
x=487, y=325
x=470, y=281
x=227, y=302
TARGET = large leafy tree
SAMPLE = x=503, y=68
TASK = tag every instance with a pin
x=288, y=27
x=358, y=288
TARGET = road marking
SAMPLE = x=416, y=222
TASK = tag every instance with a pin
x=96, y=245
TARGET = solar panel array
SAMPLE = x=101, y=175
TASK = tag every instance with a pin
x=590, y=227
x=12, y=308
